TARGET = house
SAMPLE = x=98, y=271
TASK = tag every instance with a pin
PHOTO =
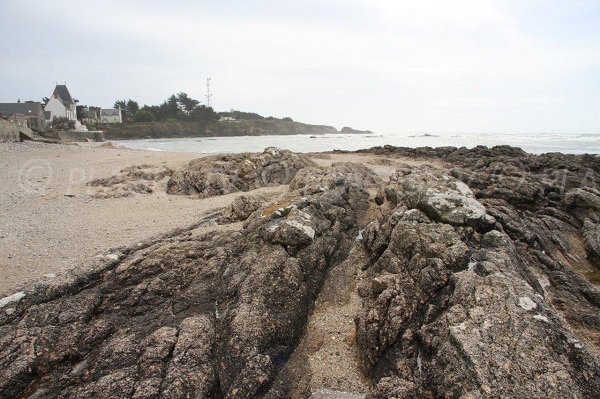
x=61, y=105
x=227, y=119
x=91, y=116
x=33, y=112
x=17, y=119
x=111, y=115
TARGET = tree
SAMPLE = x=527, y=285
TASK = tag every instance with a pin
x=132, y=106
x=204, y=113
x=187, y=103
x=81, y=111
x=172, y=107
x=144, y=116
x=121, y=104
x=128, y=108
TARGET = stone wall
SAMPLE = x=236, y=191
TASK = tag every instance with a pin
x=71, y=135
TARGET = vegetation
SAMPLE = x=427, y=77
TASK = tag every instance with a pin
x=144, y=116
x=62, y=123
x=178, y=107
x=128, y=109
x=83, y=112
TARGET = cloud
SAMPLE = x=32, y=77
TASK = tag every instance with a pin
x=379, y=64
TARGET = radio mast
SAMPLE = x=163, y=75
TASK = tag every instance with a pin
x=208, y=95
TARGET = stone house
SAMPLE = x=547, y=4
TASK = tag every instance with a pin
x=91, y=116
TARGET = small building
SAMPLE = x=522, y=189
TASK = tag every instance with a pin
x=33, y=112
x=61, y=105
x=227, y=119
x=111, y=115
x=91, y=116
x=17, y=119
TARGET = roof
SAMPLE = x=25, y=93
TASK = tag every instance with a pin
x=27, y=109
x=63, y=94
x=110, y=112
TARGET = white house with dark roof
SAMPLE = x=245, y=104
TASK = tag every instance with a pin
x=111, y=115
x=61, y=105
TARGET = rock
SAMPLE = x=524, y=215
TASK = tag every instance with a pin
x=591, y=239
x=210, y=315
x=241, y=208
x=314, y=180
x=218, y=175
x=584, y=202
x=442, y=198
x=138, y=179
x=453, y=312
x=473, y=281
x=16, y=297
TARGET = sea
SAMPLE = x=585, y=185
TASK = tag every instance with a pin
x=536, y=143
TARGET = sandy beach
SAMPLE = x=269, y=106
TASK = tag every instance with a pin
x=51, y=220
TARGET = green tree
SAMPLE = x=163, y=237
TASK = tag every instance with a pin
x=132, y=106
x=81, y=111
x=204, y=113
x=144, y=116
x=128, y=108
x=171, y=107
x=187, y=103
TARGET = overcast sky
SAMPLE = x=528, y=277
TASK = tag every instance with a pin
x=388, y=66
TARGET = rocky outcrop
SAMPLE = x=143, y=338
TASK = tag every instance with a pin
x=591, y=239
x=241, y=208
x=453, y=307
x=468, y=282
x=225, y=174
x=140, y=179
x=193, y=315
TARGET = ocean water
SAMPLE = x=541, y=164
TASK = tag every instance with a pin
x=533, y=143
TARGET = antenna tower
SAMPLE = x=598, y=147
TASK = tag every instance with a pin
x=208, y=95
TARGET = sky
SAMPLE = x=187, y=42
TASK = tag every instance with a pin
x=388, y=66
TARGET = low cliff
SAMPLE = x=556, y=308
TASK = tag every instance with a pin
x=211, y=129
